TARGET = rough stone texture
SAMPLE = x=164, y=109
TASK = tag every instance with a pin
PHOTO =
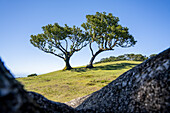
x=145, y=88
x=76, y=102
x=50, y=106
x=14, y=99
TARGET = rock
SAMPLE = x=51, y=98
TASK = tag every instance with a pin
x=50, y=106
x=76, y=102
x=145, y=88
x=14, y=99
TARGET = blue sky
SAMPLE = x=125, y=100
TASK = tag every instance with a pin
x=148, y=21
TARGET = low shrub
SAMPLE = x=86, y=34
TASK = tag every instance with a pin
x=31, y=75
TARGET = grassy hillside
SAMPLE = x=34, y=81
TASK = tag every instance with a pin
x=63, y=86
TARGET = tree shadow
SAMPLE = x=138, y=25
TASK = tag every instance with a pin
x=105, y=67
x=113, y=66
x=81, y=69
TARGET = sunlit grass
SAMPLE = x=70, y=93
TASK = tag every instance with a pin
x=63, y=86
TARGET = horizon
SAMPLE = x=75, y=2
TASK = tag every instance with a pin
x=148, y=22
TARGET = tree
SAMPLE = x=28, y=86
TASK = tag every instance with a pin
x=131, y=56
x=121, y=57
x=105, y=31
x=139, y=57
x=60, y=41
x=152, y=55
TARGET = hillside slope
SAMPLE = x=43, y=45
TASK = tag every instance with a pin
x=63, y=86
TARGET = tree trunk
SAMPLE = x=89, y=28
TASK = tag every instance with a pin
x=68, y=66
x=90, y=65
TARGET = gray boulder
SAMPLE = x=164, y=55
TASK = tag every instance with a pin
x=14, y=99
x=145, y=88
x=76, y=102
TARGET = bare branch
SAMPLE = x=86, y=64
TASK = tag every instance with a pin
x=106, y=43
x=61, y=50
x=66, y=44
x=114, y=44
x=110, y=43
x=62, y=47
x=55, y=54
x=81, y=47
x=102, y=43
x=51, y=53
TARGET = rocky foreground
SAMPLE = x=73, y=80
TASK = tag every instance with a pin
x=145, y=88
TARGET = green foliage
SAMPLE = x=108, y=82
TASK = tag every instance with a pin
x=106, y=32
x=152, y=55
x=60, y=41
x=31, y=75
x=131, y=57
x=100, y=28
x=56, y=37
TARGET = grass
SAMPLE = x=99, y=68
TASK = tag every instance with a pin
x=63, y=86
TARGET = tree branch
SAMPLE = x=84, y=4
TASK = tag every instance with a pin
x=106, y=43
x=114, y=44
x=62, y=47
x=91, y=49
x=81, y=47
x=56, y=45
x=66, y=44
x=102, y=43
x=51, y=53
x=110, y=43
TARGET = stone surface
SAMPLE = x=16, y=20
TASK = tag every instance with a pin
x=14, y=99
x=76, y=102
x=50, y=106
x=145, y=88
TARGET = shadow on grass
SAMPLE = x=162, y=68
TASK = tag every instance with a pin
x=106, y=67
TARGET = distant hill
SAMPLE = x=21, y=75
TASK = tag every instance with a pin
x=63, y=86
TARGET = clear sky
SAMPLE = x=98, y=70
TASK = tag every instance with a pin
x=148, y=21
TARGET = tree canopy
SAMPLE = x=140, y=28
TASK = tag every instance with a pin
x=60, y=41
x=107, y=33
x=102, y=29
